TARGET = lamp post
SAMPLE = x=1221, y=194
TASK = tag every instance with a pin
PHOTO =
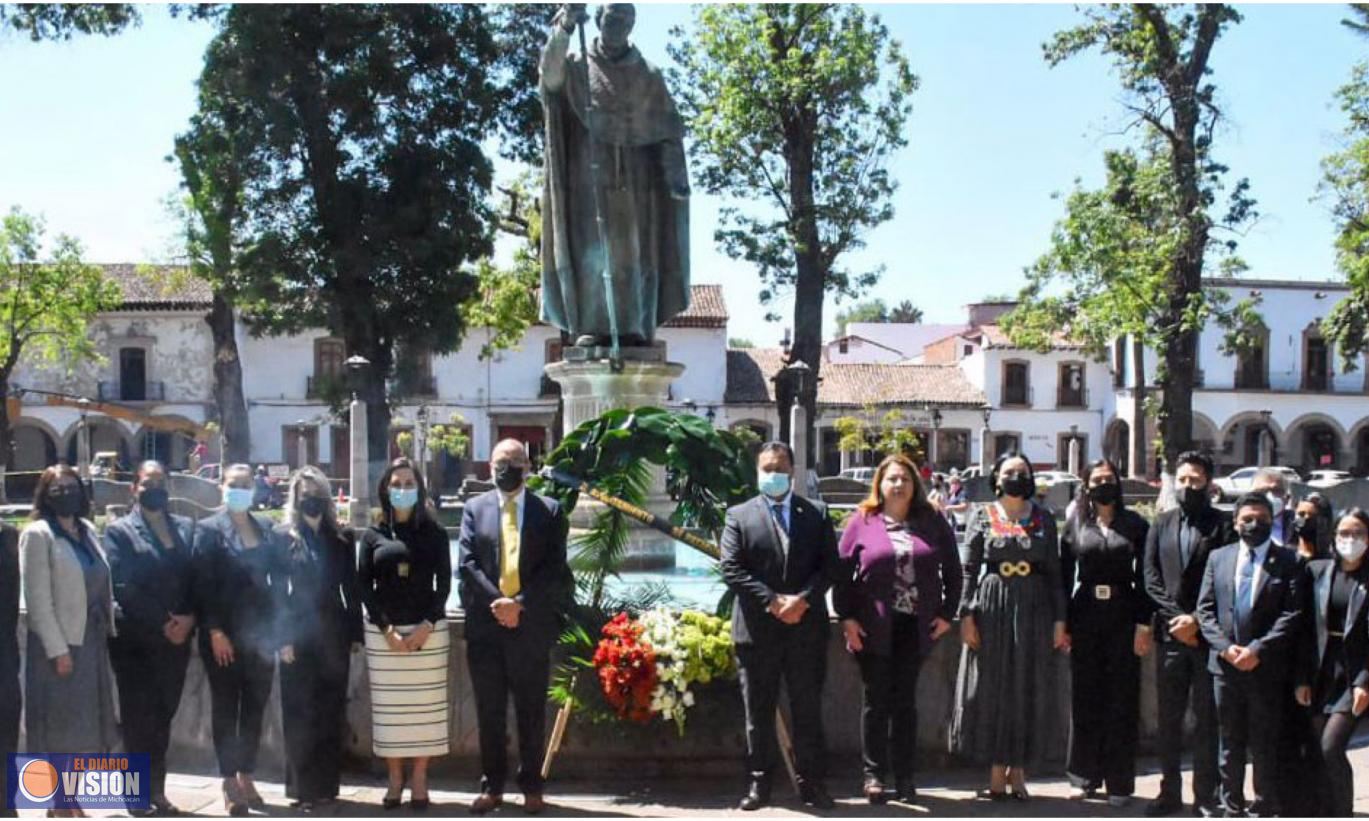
x=421, y=442
x=1266, y=448
x=360, y=503
x=799, y=372
x=1072, y=462
x=984, y=443
x=83, y=441
x=936, y=431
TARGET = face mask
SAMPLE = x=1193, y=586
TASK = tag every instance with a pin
x=773, y=485
x=1276, y=502
x=403, y=499
x=1254, y=534
x=237, y=499
x=508, y=478
x=313, y=506
x=1018, y=485
x=65, y=502
x=153, y=499
x=1194, y=500
x=1105, y=494
x=1305, y=528
x=1350, y=548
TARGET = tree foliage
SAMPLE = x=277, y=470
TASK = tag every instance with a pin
x=48, y=293
x=795, y=111
x=876, y=310
x=1345, y=186
x=359, y=133
x=62, y=21
x=1162, y=56
x=884, y=434
x=505, y=298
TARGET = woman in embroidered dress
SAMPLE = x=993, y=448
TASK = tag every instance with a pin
x=1012, y=616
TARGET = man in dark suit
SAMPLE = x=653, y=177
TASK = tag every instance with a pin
x=1273, y=484
x=779, y=556
x=11, y=698
x=514, y=586
x=1250, y=612
x=1177, y=550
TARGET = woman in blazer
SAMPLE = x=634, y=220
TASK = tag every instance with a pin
x=1339, y=653
x=241, y=577
x=69, y=685
x=898, y=591
x=150, y=562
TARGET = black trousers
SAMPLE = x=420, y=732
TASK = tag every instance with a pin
x=313, y=700
x=1334, y=731
x=503, y=667
x=240, y=693
x=1182, y=680
x=151, y=676
x=1301, y=779
x=888, y=714
x=800, y=661
x=1105, y=694
x=11, y=703
x=1249, y=712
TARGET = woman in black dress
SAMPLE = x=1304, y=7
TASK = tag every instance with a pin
x=241, y=578
x=405, y=575
x=1012, y=619
x=150, y=562
x=323, y=624
x=1339, y=654
x=1109, y=629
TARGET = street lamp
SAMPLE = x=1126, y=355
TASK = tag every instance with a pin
x=1266, y=454
x=1073, y=456
x=421, y=446
x=798, y=373
x=83, y=441
x=984, y=442
x=935, y=414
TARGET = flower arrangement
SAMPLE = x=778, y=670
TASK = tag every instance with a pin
x=626, y=666
x=647, y=666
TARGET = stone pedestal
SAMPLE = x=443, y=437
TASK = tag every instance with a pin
x=590, y=388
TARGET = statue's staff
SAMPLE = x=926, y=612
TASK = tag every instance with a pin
x=615, y=354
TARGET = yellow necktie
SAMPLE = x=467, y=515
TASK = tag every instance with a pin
x=509, y=584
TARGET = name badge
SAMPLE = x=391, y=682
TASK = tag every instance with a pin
x=403, y=570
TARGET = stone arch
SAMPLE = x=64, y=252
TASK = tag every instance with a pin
x=1239, y=439
x=35, y=448
x=171, y=448
x=1117, y=444
x=1315, y=441
x=105, y=434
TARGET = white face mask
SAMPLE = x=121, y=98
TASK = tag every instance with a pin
x=1350, y=548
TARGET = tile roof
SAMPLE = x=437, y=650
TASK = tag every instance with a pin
x=749, y=372
x=706, y=309
x=145, y=287
x=996, y=337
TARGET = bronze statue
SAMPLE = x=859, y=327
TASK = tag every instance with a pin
x=616, y=197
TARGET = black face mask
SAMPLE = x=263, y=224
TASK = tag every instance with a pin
x=65, y=502
x=1305, y=528
x=1019, y=485
x=1105, y=494
x=508, y=478
x=313, y=506
x=154, y=499
x=1254, y=534
x=1194, y=500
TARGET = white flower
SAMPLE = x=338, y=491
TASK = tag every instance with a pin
x=688, y=699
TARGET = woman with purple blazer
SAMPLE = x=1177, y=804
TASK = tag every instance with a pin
x=898, y=591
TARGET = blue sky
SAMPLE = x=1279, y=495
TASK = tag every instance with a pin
x=85, y=127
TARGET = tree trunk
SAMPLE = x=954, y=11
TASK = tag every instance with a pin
x=1140, y=453
x=228, y=394
x=810, y=282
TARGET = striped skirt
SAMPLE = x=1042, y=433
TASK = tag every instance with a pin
x=409, y=712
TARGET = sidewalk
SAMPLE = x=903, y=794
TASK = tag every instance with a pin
x=943, y=793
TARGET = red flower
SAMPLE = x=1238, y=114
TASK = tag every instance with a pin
x=626, y=667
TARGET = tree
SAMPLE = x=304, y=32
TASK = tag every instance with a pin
x=1345, y=185
x=505, y=299
x=1109, y=268
x=739, y=343
x=906, y=312
x=210, y=216
x=47, y=296
x=877, y=311
x=357, y=132
x=62, y=21
x=797, y=108
x=889, y=435
x=1162, y=55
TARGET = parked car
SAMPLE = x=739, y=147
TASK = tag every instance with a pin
x=210, y=472
x=858, y=474
x=1327, y=478
x=1051, y=478
x=1227, y=488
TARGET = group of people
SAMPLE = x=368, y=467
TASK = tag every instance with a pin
x=1258, y=618
x=130, y=606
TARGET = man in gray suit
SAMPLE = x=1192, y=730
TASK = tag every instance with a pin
x=779, y=556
